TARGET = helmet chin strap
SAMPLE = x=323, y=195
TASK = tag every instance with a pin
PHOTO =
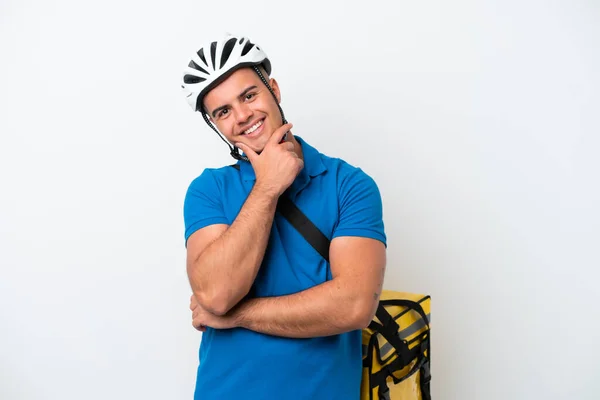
x=234, y=151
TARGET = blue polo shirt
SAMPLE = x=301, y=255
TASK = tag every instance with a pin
x=341, y=200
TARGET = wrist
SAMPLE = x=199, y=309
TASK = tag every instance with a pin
x=267, y=191
x=239, y=315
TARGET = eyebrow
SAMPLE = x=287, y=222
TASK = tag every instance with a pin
x=216, y=110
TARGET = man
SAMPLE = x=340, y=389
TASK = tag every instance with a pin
x=279, y=321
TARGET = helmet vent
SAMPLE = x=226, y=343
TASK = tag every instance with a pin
x=213, y=53
x=192, y=64
x=249, y=45
x=227, y=51
x=193, y=79
x=201, y=55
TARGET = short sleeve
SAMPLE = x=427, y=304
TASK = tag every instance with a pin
x=202, y=206
x=360, y=208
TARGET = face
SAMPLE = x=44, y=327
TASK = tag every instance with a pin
x=243, y=109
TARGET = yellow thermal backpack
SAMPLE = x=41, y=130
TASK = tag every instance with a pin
x=397, y=349
x=396, y=345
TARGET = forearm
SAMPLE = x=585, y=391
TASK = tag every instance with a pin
x=322, y=310
x=224, y=272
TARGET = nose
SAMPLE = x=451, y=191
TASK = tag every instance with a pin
x=243, y=113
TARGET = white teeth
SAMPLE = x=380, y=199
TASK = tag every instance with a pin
x=253, y=128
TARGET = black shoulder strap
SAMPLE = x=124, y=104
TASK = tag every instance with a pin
x=307, y=229
x=300, y=221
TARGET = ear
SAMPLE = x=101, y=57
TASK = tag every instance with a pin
x=275, y=87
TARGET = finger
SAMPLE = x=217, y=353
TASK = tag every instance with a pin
x=280, y=133
x=248, y=151
x=198, y=325
x=289, y=146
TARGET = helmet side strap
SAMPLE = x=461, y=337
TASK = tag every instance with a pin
x=234, y=151
x=270, y=90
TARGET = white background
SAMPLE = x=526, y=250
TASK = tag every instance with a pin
x=478, y=120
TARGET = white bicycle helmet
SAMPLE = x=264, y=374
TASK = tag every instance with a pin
x=213, y=63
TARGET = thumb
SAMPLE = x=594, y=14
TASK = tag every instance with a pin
x=249, y=152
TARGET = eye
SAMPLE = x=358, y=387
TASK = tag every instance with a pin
x=223, y=113
x=249, y=96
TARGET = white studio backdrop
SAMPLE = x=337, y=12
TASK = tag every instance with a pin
x=478, y=120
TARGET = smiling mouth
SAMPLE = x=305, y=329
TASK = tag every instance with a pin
x=253, y=128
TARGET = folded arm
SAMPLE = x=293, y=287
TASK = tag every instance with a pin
x=222, y=260
x=345, y=303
